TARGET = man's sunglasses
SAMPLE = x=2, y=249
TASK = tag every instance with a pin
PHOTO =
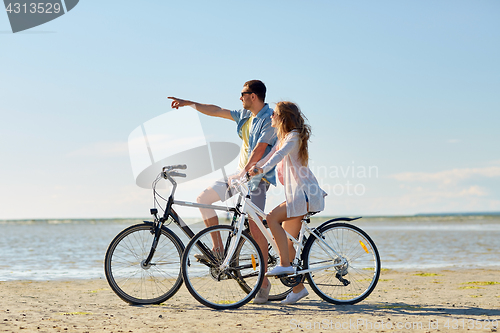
x=246, y=92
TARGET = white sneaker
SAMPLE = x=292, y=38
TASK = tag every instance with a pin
x=293, y=298
x=263, y=295
x=280, y=270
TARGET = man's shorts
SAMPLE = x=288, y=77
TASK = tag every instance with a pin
x=258, y=196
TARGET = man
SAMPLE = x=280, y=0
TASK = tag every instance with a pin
x=254, y=128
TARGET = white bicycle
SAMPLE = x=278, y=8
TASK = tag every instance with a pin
x=339, y=260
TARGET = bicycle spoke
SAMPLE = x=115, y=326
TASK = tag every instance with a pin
x=214, y=285
x=357, y=267
x=153, y=283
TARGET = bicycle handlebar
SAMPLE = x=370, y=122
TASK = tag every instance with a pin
x=177, y=166
x=177, y=174
x=239, y=181
x=168, y=172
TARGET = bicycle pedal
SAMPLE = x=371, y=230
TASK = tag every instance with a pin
x=202, y=260
x=281, y=276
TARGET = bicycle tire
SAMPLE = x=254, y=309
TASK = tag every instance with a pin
x=134, y=283
x=222, y=289
x=361, y=272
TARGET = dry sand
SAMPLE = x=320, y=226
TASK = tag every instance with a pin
x=422, y=301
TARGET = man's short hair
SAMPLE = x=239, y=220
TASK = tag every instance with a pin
x=257, y=87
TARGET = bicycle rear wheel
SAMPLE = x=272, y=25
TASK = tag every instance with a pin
x=130, y=279
x=351, y=282
x=217, y=287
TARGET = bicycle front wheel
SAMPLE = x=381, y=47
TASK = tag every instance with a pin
x=132, y=280
x=212, y=284
x=355, y=259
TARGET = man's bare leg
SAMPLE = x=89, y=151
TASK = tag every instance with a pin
x=210, y=218
x=259, y=199
x=262, y=242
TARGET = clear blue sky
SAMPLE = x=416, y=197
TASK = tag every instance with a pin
x=408, y=90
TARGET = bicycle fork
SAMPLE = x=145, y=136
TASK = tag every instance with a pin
x=146, y=263
x=233, y=243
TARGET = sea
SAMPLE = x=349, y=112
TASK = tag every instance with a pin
x=70, y=249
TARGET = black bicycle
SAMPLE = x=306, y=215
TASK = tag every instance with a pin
x=143, y=262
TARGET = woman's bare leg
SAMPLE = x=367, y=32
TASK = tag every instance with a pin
x=274, y=219
x=293, y=228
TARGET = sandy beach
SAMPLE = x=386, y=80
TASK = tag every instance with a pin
x=420, y=301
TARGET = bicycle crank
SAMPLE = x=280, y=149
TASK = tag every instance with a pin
x=292, y=281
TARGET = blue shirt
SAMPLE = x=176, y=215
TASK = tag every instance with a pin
x=260, y=131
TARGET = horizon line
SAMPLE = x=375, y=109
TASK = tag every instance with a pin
x=323, y=216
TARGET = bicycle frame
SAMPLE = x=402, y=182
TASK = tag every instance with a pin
x=237, y=266
x=250, y=209
x=170, y=212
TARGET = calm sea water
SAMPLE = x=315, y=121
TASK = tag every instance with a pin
x=75, y=249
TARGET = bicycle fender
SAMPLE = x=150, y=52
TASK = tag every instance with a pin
x=345, y=219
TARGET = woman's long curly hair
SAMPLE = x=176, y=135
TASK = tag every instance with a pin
x=291, y=118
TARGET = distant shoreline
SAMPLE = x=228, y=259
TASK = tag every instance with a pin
x=459, y=214
x=124, y=219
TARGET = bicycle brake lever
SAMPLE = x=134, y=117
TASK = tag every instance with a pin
x=177, y=174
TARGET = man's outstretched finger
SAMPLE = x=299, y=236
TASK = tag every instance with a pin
x=177, y=102
x=172, y=105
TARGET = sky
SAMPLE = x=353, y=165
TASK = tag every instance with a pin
x=402, y=97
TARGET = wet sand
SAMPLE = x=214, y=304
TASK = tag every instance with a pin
x=416, y=301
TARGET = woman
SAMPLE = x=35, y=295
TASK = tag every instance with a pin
x=302, y=191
